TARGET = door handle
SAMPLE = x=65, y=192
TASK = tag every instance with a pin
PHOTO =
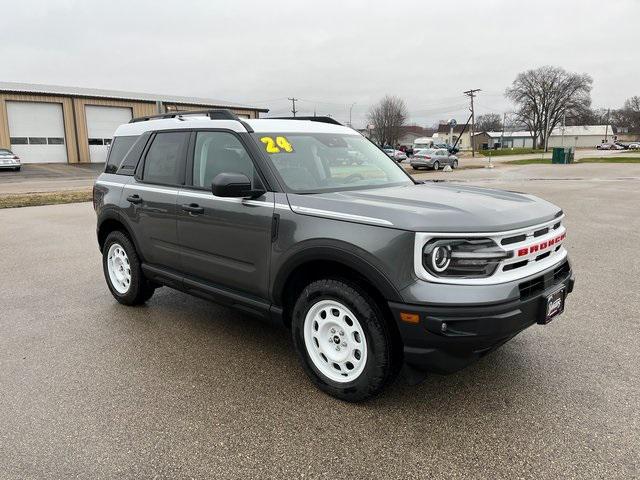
x=193, y=208
x=134, y=198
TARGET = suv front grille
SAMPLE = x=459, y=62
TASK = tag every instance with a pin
x=537, y=285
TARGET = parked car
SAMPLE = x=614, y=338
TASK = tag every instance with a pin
x=433, y=158
x=609, y=146
x=9, y=160
x=623, y=146
x=397, y=155
x=368, y=271
x=634, y=146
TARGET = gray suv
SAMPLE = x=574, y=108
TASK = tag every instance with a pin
x=370, y=270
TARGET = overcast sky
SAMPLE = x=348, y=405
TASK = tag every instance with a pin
x=327, y=53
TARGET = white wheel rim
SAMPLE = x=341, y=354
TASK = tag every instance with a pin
x=119, y=268
x=335, y=341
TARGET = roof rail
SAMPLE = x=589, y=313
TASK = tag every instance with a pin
x=215, y=114
x=333, y=121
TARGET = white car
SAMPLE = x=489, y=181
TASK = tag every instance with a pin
x=609, y=146
x=397, y=155
x=8, y=159
x=634, y=146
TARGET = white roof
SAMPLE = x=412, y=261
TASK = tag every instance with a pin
x=521, y=133
x=258, y=125
x=119, y=95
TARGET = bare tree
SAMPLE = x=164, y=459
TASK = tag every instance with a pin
x=547, y=94
x=489, y=122
x=388, y=116
x=629, y=115
x=590, y=116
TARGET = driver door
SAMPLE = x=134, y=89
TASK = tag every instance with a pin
x=223, y=241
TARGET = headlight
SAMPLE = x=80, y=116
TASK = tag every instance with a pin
x=462, y=258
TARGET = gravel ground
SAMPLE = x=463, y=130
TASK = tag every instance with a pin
x=183, y=388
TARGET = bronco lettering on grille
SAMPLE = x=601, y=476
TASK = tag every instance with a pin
x=541, y=246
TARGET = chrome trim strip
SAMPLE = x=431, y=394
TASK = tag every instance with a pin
x=147, y=188
x=339, y=215
x=109, y=184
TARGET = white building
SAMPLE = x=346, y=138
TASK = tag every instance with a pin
x=581, y=136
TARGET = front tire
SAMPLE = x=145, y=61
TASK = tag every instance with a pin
x=436, y=166
x=343, y=340
x=454, y=165
x=122, y=270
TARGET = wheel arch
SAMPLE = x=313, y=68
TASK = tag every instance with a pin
x=314, y=261
x=111, y=221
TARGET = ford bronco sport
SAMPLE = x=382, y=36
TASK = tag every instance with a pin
x=310, y=225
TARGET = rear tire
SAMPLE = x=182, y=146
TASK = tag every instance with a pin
x=122, y=270
x=436, y=166
x=343, y=341
x=454, y=165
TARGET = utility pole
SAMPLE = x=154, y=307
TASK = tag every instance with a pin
x=293, y=102
x=606, y=128
x=471, y=94
x=350, y=109
x=504, y=120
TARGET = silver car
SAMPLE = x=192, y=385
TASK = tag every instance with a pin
x=397, y=155
x=8, y=159
x=433, y=158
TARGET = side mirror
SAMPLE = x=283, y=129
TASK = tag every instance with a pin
x=234, y=185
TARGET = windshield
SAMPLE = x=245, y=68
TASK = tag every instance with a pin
x=324, y=162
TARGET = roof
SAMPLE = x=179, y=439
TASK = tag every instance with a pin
x=119, y=95
x=258, y=124
x=445, y=128
x=521, y=133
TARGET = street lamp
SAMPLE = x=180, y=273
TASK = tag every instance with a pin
x=350, y=109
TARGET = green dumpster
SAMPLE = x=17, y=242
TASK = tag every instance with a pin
x=559, y=155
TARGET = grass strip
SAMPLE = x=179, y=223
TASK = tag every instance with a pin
x=44, y=198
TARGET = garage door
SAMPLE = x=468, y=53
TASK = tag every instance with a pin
x=37, y=132
x=101, y=124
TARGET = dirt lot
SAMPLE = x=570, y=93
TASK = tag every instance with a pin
x=183, y=388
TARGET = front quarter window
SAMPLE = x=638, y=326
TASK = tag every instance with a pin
x=324, y=162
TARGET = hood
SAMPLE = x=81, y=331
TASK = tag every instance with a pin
x=430, y=207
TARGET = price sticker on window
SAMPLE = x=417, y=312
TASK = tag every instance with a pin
x=277, y=145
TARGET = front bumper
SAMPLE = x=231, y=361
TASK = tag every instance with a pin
x=448, y=338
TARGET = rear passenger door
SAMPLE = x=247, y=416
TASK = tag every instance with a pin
x=224, y=241
x=150, y=199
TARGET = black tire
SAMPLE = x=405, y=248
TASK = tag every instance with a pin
x=140, y=289
x=415, y=168
x=454, y=165
x=17, y=169
x=436, y=165
x=383, y=359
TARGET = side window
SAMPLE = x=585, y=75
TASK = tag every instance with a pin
x=219, y=152
x=164, y=160
x=117, y=152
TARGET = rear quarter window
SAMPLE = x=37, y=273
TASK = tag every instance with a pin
x=119, y=149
